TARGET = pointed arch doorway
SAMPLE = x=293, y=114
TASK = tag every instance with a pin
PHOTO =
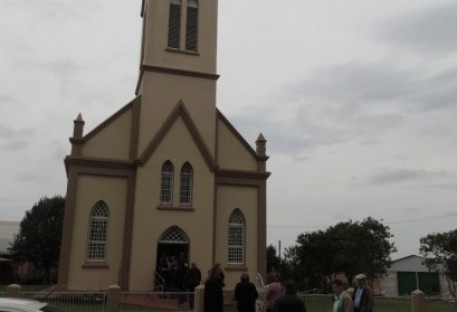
x=172, y=258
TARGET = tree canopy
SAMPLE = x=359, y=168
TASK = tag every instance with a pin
x=39, y=234
x=273, y=260
x=440, y=252
x=347, y=247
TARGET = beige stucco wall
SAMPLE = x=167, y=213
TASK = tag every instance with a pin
x=150, y=222
x=232, y=154
x=245, y=199
x=113, y=141
x=163, y=94
x=91, y=189
x=156, y=37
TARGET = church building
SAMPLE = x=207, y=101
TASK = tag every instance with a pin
x=166, y=175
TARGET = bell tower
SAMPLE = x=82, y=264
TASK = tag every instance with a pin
x=166, y=164
x=178, y=63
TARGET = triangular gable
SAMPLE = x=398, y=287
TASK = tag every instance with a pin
x=237, y=135
x=407, y=257
x=412, y=263
x=179, y=111
x=112, y=118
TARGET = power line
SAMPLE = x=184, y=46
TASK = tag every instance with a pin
x=272, y=227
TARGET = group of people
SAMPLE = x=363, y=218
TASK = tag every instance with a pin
x=279, y=297
x=178, y=276
x=361, y=299
x=173, y=270
x=283, y=297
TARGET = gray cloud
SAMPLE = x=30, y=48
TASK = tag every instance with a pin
x=389, y=175
x=431, y=31
x=358, y=102
x=6, y=99
x=51, y=9
x=14, y=139
x=360, y=86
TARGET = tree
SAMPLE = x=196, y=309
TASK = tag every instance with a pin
x=364, y=247
x=273, y=261
x=440, y=252
x=39, y=235
x=349, y=247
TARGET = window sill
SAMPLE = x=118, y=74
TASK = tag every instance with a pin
x=95, y=265
x=174, y=208
x=188, y=52
x=234, y=267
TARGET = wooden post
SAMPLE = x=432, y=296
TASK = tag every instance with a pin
x=417, y=301
x=13, y=291
x=199, y=293
x=113, y=298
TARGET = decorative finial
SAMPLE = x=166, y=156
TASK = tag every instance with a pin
x=261, y=145
x=78, y=128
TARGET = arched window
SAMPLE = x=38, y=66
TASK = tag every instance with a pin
x=192, y=25
x=185, y=190
x=173, y=235
x=174, y=24
x=236, y=237
x=98, y=233
x=166, y=183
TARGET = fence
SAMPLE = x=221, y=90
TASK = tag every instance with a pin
x=113, y=300
x=416, y=302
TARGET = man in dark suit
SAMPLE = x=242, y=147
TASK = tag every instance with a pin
x=245, y=294
x=363, y=295
x=289, y=302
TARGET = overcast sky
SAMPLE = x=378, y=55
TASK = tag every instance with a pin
x=357, y=99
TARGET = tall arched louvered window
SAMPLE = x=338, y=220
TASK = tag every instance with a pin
x=185, y=189
x=192, y=25
x=166, y=183
x=98, y=233
x=236, y=237
x=174, y=24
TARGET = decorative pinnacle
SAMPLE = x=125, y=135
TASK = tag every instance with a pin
x=261, y=145
x=78, y=128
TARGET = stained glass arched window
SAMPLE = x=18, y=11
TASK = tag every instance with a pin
x=98, y=233
x=166, y=183
x=174, y=235
x=236, y=237
x=185, y=189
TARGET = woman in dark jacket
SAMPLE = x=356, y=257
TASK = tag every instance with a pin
x=214, y=296
x=245, y=294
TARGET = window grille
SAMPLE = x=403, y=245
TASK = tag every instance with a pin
x=166, y=183
x=98, y=233
x=236, y=233
x=174, y=235
x=192, y=25
x=186, y=184
x=174, y=24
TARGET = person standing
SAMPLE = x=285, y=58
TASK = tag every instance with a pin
x=192, y=279
x=273, y=291
x=214, y=296
x=245, y=294
x=289, y=301
x=363, y=295
x=342, y=302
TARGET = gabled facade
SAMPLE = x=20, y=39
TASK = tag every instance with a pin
x=410, y=273
x=167, y=174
